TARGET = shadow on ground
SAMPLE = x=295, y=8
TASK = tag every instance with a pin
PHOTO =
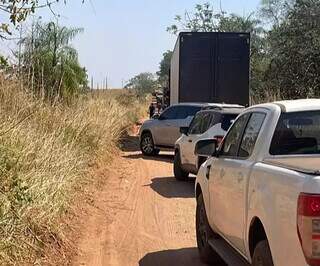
x=169, y=187
x=179, y=257
x=161, y=157
x=129, y=143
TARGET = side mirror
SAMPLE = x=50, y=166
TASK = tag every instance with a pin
x=184, y=130
x=206, y=148
x=155, y=116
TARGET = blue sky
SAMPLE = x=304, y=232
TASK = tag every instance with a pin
x=123, y=38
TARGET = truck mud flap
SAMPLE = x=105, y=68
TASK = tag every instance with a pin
x=227, y=253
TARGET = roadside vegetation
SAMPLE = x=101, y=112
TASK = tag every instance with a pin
x=53, y=128
x=45, y=153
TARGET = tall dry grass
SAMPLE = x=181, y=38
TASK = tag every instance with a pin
x=45, y=152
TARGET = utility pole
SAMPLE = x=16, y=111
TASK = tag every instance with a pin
x=19, y=63
x=92, y=83
x=20, y=44
x=106, y=82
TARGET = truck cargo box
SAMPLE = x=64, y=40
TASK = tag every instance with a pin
x=210, y=67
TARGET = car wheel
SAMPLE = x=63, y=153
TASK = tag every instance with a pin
x=204, y=233
x=262, y=254
x=147, y=145
x=179, y=173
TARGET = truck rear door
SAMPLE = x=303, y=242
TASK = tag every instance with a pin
x=229, y=177
x=196, y=68
x=232, y=77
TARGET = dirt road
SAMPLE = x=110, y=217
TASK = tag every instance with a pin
x=140, y=215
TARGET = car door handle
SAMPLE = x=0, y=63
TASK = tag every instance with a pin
x=208, y=171
x=190, y=140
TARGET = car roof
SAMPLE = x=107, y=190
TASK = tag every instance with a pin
x=299, y=105
x=293, y=105
x=223, y=111
x=210, y=105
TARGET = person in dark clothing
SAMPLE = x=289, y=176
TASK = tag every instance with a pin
x=151, y=110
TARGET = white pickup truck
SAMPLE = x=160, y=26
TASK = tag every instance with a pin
x=259, y=192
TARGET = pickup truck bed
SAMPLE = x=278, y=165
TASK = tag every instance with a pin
x=304, y=164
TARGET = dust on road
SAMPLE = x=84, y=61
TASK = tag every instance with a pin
x=141, y=215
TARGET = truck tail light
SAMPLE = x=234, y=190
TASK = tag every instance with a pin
x=308, y=223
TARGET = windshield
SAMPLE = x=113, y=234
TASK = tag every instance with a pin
x=297, y=133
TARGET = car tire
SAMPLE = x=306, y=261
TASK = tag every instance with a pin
x=179, y=173
x=262, y=254
x=204, y=233
x=147, y=146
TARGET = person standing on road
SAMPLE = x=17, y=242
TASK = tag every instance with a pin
x=151, y=110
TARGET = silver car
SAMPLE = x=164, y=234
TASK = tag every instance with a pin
x=162, y=131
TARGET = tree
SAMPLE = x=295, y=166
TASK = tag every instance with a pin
x=294, y=45
x=204, y=18
x=275, y=11
x=18, y=10
x=164, y=69
x=50, y=64
x=143, y=83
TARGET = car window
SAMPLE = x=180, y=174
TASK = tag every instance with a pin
x=227, y=120
x=179, y=112
x=297, y=133
x=169, y=113
x=206, y=122
x=195, y=126
x=232, y=140
x=200, y=123
x=251, y=134
x=182, y=112
x=192, y=110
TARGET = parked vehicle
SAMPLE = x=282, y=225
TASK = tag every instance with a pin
x=212, y=123
x=210, y=67
x=258, y=195
x=162, y=131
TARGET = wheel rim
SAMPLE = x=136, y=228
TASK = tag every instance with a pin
x=202, y=228
x=147, y=144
